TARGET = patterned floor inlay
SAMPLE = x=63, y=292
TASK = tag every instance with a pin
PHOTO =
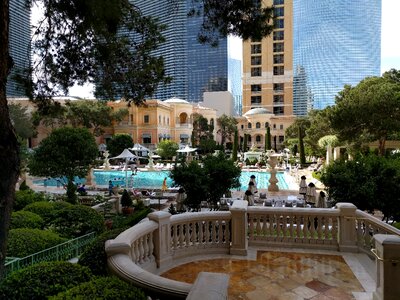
x=279, y=276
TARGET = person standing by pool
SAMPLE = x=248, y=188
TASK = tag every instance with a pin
x=254, y=187
x=110, y=187
x=164, y=185
x=249, y=197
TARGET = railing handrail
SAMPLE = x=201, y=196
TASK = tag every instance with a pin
x=379, y=223
x=293, y=211
x=31, y=259
x=200, y=216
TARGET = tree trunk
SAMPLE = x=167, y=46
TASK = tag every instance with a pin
x=9, y=148
x=301, y=148
x=382, y=142
x=235, y=146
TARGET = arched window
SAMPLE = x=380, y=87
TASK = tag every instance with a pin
x=212, y=122
x=258, y=125
x=249, y=125
x=183, y=118
x=266, y=124
x=159, y=119
x=258, y=138
x=164, y=120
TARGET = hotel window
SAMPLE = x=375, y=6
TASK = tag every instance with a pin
x=281, y=127
x=279, y=110
x=279, y=70
x=146, y=119
x=255, y=99
x=266, y=124
x=258, y=138
x=279, y=47
x=279, y=23
x=249, y=125
x=278, y=87
x=278, y=98
x=278, y=12
x=279, y=35
x=146, y=139
x=256, y=49
x=159, y=119
x=281, y=139
x=278, y=59
x=258, y=125
x=256, y=60
x=256, y=71
x=279, y=2
x=256, y=88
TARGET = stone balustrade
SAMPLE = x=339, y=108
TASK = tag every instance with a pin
x=159, y=241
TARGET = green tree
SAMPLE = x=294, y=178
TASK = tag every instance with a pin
x=93, y=115
x=227, y=126
x=235, y=145
x=167, y=149
x=245, y=139
x=207, y=183
x=118, y=143
x=81, y=41
x=301, y=146
x=201, y=129
x=22, y=121
x=369, y=111
x=369, y=183
x=267, y=145
x=66, y=152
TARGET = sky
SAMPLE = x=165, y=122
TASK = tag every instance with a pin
x=390, y=44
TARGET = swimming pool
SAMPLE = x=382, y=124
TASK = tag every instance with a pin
x=154, y=179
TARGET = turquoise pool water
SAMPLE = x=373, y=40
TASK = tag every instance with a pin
x=153, y=180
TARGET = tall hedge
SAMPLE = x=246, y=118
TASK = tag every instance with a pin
x=24, y=241
x=42, y=280
x=77, y=220
x=105, y=288
x=26, y=197
x=26, y=219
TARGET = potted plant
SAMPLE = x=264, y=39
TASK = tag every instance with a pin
x=126, y=203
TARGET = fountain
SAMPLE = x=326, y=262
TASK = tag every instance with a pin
x=150, y=165
x=272, y=161
x=106, y=154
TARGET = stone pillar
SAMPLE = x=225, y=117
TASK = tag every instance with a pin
x=387, y=252
x=328, y=154
x=162, y=237
x=239, y=243
x=336, y=153
x=347, y=234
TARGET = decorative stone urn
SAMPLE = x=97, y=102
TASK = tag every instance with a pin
x=272, y=161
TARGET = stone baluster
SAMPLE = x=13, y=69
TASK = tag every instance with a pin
x=162, y=237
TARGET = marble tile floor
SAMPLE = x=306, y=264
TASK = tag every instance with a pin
x=285, y=275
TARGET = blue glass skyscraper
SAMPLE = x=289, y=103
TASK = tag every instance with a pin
x=193, y=67
x=335, y=43
x=20, y=36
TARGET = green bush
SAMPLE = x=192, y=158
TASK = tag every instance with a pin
x=136, y=217
x=26, y=197
x=44, y=209
x=94, y=257
x=26, y=219
x=105, y=288
x=126, y=200
x=24, y=241
x=42, y=280
x=77, y=220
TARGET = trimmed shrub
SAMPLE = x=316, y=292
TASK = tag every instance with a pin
x=26, y=219
x=136, y=217
x=44, y=209
x=77, y=220
x=26, y=197
x=24, y=241
x=94, y=257
x=42, y=280
x=105, y=288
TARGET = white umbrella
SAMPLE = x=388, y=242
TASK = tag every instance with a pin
x=138, y=147
x=187, y=149
x=126, y=154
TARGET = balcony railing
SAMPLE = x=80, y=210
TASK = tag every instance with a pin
x=160, y=241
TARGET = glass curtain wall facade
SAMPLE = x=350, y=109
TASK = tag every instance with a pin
x=20, y=35
x=335, y=43
x=194, y=68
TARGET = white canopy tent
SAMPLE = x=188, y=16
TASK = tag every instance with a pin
x=127, y=155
